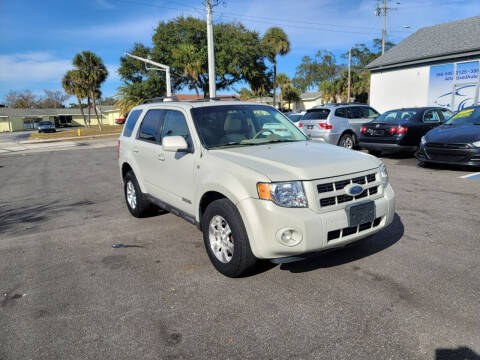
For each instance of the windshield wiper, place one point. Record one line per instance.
(277, 141)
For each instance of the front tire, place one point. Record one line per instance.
(137, 203)
(226, 239)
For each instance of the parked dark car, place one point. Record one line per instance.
(457, 141)
(46, 126)
(401, 130)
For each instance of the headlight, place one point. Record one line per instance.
(476, 144)
(287, 194)
(423, 141)
(383, 175)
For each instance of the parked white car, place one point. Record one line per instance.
(250, 180)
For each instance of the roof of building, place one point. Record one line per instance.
(21, 112)
(450, 40)
(311, 95)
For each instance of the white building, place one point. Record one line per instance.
(419, 70)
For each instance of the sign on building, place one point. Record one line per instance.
(456, 92)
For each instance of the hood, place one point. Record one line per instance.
(301, 160)
(450, 134)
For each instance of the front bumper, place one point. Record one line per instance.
(387, 147)
(468, 157)
(264, 221)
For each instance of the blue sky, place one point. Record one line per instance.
(39, 38)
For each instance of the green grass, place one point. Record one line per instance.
(84, 132)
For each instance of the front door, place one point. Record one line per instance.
(176, 177)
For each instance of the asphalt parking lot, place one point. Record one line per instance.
(410, 292)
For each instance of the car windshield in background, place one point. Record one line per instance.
(465, 117)
(243, 125)
(45, 123)
(316, 114)
(396, 116)
(295, 117)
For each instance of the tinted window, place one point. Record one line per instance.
(45, 123)
(356, 112)
(175, 125)
(151, 125)
(342, 112)
(447, 114)
(431, 116)
(396, 116)
(368, 112)
(295, 117)
(466, 117)
(131, 121)
(316, 114)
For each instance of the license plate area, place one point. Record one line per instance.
(360, 213)
(309, 127)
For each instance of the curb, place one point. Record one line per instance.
(86, 137)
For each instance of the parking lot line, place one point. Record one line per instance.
(471, 176)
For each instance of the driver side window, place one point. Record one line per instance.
(175, 124)
(431, 116)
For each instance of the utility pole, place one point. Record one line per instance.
(349, 65)
(211, 55)
(384, 30)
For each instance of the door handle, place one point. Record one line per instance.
(161, 157)
(135, 150)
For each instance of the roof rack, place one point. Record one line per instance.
(160, 99)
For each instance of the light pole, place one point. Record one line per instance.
(158, 66)
(211, 55)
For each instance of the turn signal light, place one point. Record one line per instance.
(264, 191)
(325, 126)
(363, 129)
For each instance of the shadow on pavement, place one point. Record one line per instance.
(358, 250)
(460, 353)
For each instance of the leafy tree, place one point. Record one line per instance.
(276, 43)
(292, 95)
(245, 94)
(126, 100)
(92, 73)
(73, 85)
(182, 44)
(311, 72)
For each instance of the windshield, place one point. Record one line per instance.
(316, 114)
(45, 123)
(396, 116)
(295, 117)
(243, 125)
(465, 117)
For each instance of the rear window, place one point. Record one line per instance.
(396, 116)
(131, 121)
(316, 114)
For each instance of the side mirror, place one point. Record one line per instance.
(174, 143)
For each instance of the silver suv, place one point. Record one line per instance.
(250, 180)
(337, 124)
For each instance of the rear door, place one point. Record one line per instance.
(355, 118)
(431, 118)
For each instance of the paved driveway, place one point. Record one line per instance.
(410, 292)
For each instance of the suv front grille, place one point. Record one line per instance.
(332, 193)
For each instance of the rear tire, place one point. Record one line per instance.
(347, 141)
(375, 153)
(137, 203)
(226, 240)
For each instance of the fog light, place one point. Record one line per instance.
(289, 237)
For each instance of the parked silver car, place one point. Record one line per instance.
(337, 124)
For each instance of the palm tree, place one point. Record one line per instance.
(284, 83)
(72, 85)
(189, 59)
(276, 43)
(126, 100)
(93, 74)
(292, 95)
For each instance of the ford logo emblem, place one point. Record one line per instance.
(354, 189)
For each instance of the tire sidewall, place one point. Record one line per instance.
(342, 139)
(131, 177)
(241, 245)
